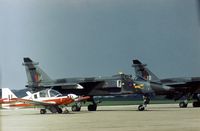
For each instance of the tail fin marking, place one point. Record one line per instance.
(143, 72)
(35, 75)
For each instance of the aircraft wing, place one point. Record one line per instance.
(32, 102)
(81, 88)
(189, 86)
(66, 85)
(79, 85)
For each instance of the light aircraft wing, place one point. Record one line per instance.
(32, 102)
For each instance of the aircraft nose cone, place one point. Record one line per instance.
(73, 96)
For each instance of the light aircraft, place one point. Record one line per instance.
(119, 84)
(48, 98)
(147, 83)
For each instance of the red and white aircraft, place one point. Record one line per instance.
(49, 99)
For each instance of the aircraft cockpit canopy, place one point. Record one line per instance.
(49, 93)
(54, 93)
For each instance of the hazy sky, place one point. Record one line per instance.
(72, 38)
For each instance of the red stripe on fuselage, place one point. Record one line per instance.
(60, 101)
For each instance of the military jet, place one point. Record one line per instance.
(48, 98)
(93, 86)
(147, 83)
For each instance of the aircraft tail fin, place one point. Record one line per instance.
(35, 75)
(7, 94)
(143, 72)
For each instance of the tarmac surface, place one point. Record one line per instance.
(157, 117)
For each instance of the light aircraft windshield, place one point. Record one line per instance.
(54, 93)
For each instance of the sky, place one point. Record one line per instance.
(85, 38)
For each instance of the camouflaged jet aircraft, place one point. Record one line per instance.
(173, 88)
(94, 86)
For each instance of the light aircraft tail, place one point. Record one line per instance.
(141, 71)
(35, 75)
(7, 96)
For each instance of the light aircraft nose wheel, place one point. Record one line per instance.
(182, 105)
(43, 111)
(141, 108)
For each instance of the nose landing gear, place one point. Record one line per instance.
(146, 101)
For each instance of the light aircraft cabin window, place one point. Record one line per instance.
(43, 93)
(35, 96)
(54, 93)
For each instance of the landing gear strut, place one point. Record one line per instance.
(93, 106)
(184, 104)
(146, 101)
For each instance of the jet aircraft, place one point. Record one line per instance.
(185, 88)
(48, 98)
(94, 86)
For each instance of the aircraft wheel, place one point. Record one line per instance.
(43, 111)
(75, 108)
(141, 108)
(196, 104)
(59, 110)
(66, 111)
(183, 105)
(92, 107)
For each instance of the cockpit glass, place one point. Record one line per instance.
(54, 93)
(43, 93)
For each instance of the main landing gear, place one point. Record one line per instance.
(91, 107)
(54, 109)
(196, 104)
(183, 104)
(146, 101)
